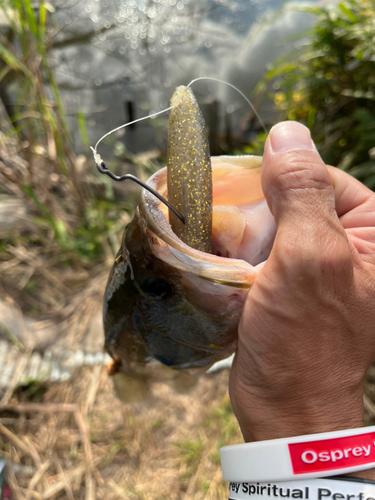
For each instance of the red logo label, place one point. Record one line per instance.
(331, 454)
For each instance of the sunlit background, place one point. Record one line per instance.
(115, 61)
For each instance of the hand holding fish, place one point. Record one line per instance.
(306, 335)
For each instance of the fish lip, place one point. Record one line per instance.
(220, 270)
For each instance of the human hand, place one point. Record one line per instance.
(307, 332)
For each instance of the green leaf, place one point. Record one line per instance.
(49, 7)
(60, 231)
(57, 225)
(10, 59)
(348, 13)
(42, 23)
(331, 87)
(30, 17)
(306, 8)
(279, 70)
(83, 130)
(4, 72)
(311, 117)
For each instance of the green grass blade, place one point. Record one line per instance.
(284, 68)
(311, 118)
(83, 130)
(12, 61)
(32, 24)
(4, 72)
(349, 14)
(306, 8)
(57, 225)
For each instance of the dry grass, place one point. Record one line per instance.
(80, 442)
(55, 257)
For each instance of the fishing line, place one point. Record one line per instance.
(103, 168)
(238, 90)
(126, 125)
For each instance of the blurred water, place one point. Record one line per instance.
(109, 53)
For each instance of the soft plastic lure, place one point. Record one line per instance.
(189, 171)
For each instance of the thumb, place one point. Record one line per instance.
(298, 189)
(295, 181)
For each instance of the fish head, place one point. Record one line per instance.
(168, 302)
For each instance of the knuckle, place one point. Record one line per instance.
(316, 257)
(297, 174)
(336, 262)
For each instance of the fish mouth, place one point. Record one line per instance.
(236, 182)
(181, 306)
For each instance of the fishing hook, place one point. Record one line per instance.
(103, 169)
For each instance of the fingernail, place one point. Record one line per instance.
(286, 136)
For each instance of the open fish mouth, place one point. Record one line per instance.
(178, 305)
(243, 227)
(175, 294)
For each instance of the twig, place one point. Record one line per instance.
(25, 278)
(116, 488)
(93, 388)
(213, 483)
(40, 407)
(32, 259)
(68, 487)
(12, 338)
(369, 405)
(9, 263)
(19, 444)
(70, 475)
(15, 379)
(82, 426)
(37, 477)
(90, 485)
(33, 451)
(35, 495)
(8, 421)
(58, 486)
(14, 485)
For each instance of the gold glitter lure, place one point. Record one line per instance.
(189, 172)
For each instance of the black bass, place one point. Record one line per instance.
(167, 298)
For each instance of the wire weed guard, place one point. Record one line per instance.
(103, 169)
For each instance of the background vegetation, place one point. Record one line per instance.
(74, 215)
(331, 88)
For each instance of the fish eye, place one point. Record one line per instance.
(156, 288)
